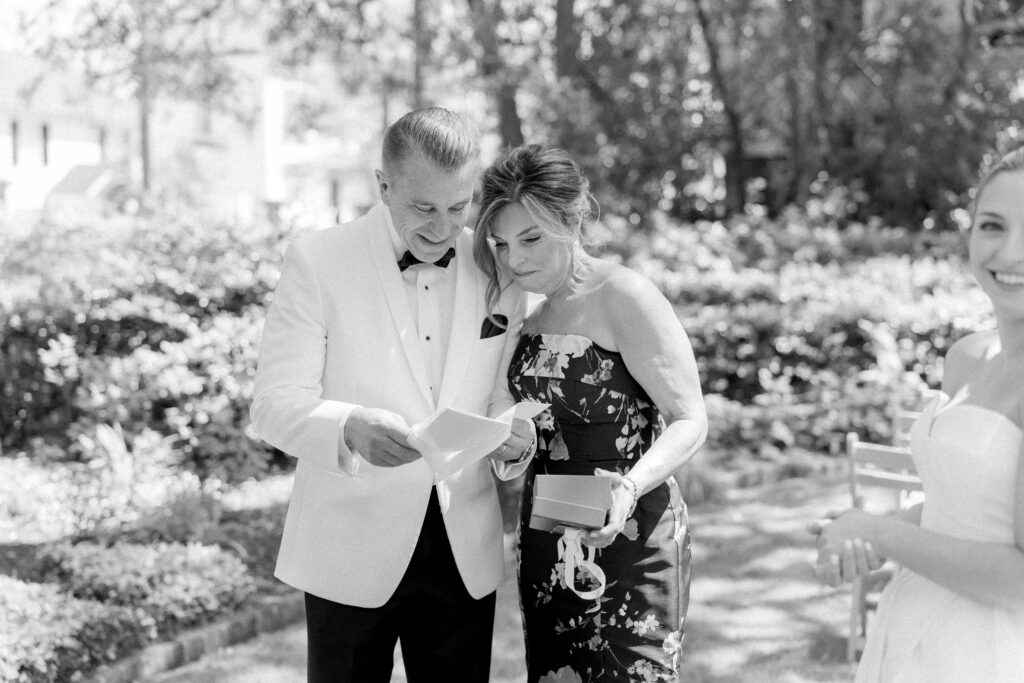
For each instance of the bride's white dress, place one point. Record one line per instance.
(967, 458)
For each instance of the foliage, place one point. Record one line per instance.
(175, 48)
(146, 592)
(168, 586)
(661, 100)
(806, 325)
(806, 331)
(47, 635)
(252, 534)
(255, 535)
(633, 109)
(151, 324)
(112, 494)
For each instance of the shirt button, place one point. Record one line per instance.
(428, 337)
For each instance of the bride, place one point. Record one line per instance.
(955, 612)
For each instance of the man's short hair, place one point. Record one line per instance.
(448, 139)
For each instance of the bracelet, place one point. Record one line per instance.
(530, 450)
(634, 492)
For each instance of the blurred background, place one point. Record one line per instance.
(793, 174)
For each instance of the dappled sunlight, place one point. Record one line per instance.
(755, 603)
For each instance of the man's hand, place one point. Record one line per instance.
(521, 438)
(380, 436)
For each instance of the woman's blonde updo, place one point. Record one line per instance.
(552, 189)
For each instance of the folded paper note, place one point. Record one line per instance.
(570, 500)
(450, 439)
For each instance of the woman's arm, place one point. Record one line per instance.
(990, 573)
(658, 354)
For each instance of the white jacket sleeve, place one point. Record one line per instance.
(287, 409)
(501, 399)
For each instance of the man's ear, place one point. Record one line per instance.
(382, 186)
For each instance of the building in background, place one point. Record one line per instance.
(67, 148)
(58, 138)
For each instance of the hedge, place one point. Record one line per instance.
(47, 635)
(147, 323)
(802, 327)
(168, 587)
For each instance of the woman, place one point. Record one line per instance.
(607, 351)
(955, 612)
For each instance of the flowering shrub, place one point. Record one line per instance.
(803, 326)
(150, 324)
(167, 586)
(803, 332)
(47, 635)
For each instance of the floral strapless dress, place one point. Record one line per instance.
(967, 457)
(600, 417)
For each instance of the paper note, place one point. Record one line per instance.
(451, 439)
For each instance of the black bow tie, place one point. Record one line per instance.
(409, 260)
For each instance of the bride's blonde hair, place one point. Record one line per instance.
(1007, 160)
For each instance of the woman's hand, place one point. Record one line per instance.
(845, 547)
(622, 504)
(519, 442)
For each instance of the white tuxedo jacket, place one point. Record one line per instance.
(339, 334)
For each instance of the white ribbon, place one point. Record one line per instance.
(570, 551)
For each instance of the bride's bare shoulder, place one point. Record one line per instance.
(975, 347)
(966, 356)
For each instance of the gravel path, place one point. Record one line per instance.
(757, 613)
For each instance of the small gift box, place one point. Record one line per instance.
(570, 500)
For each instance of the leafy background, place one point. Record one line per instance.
(792, 174)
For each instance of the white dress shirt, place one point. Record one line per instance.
(430, 292)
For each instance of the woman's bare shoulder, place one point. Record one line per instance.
(618, 284)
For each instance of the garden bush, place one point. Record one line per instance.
(803, 326)
(48, 636)
(803, 332)
(147, 323)
(167, 586)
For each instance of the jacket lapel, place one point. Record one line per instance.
(394, 295)
(468, 293)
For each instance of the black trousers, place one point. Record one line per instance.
(445, 633)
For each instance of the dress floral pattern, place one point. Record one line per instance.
(600, 417)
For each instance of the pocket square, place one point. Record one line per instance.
(491, 329)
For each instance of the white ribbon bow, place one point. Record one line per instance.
(570, 551)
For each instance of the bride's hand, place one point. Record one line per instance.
(845, 549)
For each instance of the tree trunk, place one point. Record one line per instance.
(964, 36)
(486, 16)
(819, 73)
(567, 39)
(421, 45)
(798, 175)
(735, 177)
(144, 92)
(144, 106)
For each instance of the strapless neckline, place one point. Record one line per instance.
(943, 402)
(546, 335)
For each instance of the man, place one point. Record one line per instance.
(374, 325)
